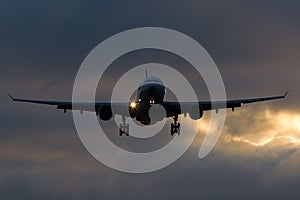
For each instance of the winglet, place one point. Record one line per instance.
(12, 98)
(286, 93)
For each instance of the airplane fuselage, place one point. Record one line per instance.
(150, 92)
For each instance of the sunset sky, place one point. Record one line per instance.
(255, 45)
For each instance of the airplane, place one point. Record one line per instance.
(150, 94)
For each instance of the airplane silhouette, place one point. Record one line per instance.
(150, 96)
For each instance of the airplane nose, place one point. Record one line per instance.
(154, 91)
(144, 106)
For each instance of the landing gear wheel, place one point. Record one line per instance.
(124, 128)
(175, 127)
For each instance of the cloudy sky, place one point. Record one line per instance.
(255, 45)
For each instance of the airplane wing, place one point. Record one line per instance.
(173, 108)
(119, 108)
(209, 105)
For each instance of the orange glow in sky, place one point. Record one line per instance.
(282, 127)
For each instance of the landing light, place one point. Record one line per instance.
(132, 104)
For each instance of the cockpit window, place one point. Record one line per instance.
(152, 79)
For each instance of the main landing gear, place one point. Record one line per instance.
(175, 127)
(124, 128)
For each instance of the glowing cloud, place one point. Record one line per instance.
(259, 127)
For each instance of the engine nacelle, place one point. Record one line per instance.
(105, 113)
(195, 112)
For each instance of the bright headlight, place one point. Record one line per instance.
(132, 104)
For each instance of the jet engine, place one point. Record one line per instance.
(105, 113)
(195, 112)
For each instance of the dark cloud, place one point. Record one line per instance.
(255, 45)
